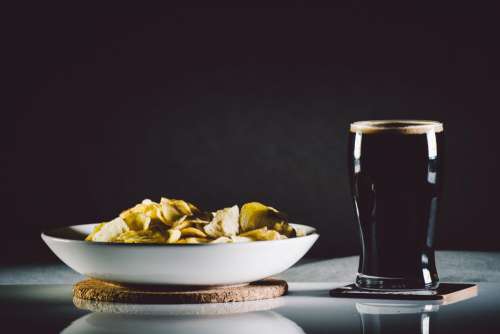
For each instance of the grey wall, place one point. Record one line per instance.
(110, 105)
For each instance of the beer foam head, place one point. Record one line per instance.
(399, 126)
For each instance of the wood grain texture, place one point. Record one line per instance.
(92, 289)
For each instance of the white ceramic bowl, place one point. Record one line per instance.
(186, 264)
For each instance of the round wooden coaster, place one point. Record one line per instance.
(92, 289)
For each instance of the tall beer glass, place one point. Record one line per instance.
(396, 180)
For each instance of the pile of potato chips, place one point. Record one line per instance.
(175, 221)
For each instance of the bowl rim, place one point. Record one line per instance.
(46, 235)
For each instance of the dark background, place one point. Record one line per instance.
(108, 104)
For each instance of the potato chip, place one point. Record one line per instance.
(285, 229)
(270, 235)
(96, 229)
(224, 224)
(221, 240)
(140, 237)
(173, 209)
(181, 223)
(138, 217)
(151, 209)
(255, 215)
(253, 233)
(199, 221)
(193, 241)
(177, 221)
(192, 232)
(158, 227)
(262, 234)
(109, 231)
(237, 238)
(173, 236)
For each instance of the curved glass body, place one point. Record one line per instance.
(396, 180)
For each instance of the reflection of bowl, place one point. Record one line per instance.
(193, 264)
(253, 322)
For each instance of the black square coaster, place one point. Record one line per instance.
(446, 292)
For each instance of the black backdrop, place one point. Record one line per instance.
(110, 104)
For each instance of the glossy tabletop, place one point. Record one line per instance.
(38, 299)
(306, 309)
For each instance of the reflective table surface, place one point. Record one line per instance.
(306, 309)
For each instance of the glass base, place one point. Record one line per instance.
(394, 284)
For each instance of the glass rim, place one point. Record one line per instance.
(400, 126)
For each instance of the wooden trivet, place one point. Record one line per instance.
(447, 292)
(92, 289)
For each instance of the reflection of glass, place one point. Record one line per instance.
(245, 317)
(397, 318)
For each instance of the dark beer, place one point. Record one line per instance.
(396, 180)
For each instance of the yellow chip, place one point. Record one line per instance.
(221, 240)
(254, 233)
(237, 238)
(193, 241)
(181, 224)
(262, 234)
(173, 209)
(285, 228)
(138, 217)
(148, 221)
(271, 235)
(192, 232)
(173, 236)
(199, 221)
(140, 237)
(96, 229)
(255, 215)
